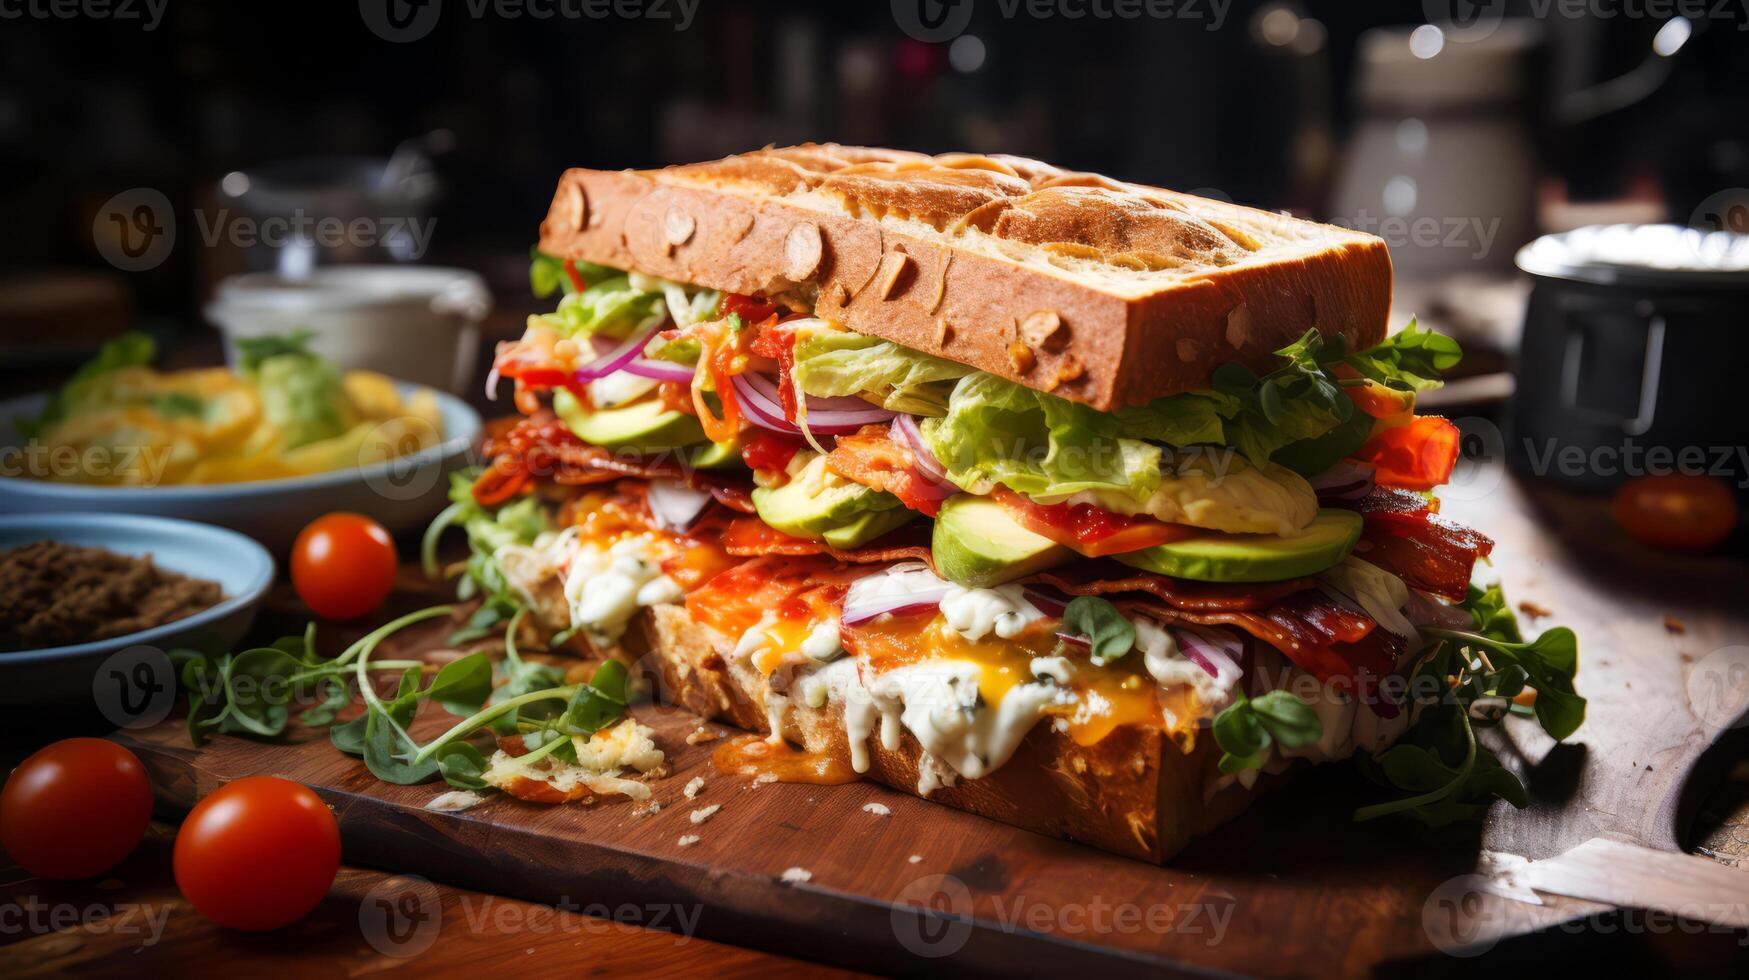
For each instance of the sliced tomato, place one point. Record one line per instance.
(749, 309)
(1092, 531)
(500, 481)
(1416, 456)
(765, 450)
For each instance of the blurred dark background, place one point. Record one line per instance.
(1252, 101)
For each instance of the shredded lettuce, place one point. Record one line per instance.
(612, 307)
(1035, 443)
(834, 363)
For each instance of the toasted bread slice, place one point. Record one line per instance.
(1134, 792)
(1104, 292)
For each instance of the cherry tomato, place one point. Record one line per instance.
(75, 808)
(343, 565)
(1686, 512)
(258, 853)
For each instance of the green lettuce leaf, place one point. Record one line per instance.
(836, 363)
(1410, 359)
(611, 306)
(996, 431)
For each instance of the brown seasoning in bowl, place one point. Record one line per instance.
(54, 594)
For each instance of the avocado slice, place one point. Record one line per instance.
(816, 501)
(1220, 557)
(977, 544)
(712, 455)
(867, 526)
(645, 427)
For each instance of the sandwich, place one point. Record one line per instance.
(1079, 504)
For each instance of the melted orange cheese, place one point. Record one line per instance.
(1107, 697)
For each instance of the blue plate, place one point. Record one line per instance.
(402, 494)
(71, 674)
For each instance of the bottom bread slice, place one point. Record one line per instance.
(1134, 792)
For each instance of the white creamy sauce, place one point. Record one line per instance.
(938, 703)
(605, 588)
(1170, 668)
(972, 613)
(976, 613)
(822, 643)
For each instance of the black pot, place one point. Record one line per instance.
(1633, 354)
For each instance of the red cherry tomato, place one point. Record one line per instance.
(343, 565)
(258, 853)
(75, 808)
(1685, 512)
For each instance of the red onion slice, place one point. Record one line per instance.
(1214, 651)
(831, 421)
(620, 356)
(906, 430)
(1347, 480)
(676, 506)
(645, 367)
(919, 589)
(1048, 601)
(761, 410)
(492, 379)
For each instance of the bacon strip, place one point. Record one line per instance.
(1103, 577)
(749, 537)
(1320, 635)
(542, 447)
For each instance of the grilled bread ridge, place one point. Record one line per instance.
(1104, 292)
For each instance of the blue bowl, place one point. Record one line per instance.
(401, 494)
(82, 672)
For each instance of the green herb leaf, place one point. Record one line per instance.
(462, 685)
(1241, 736)
(462, 765)
(1411, 359)
(388, 752)
(599, 703)
(1110, 635)
(1287, 719)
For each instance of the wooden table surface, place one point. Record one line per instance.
(133, 920)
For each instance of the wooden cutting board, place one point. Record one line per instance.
(1290, 887)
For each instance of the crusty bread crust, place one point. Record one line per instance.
(1104, 292)
(1133, 793)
